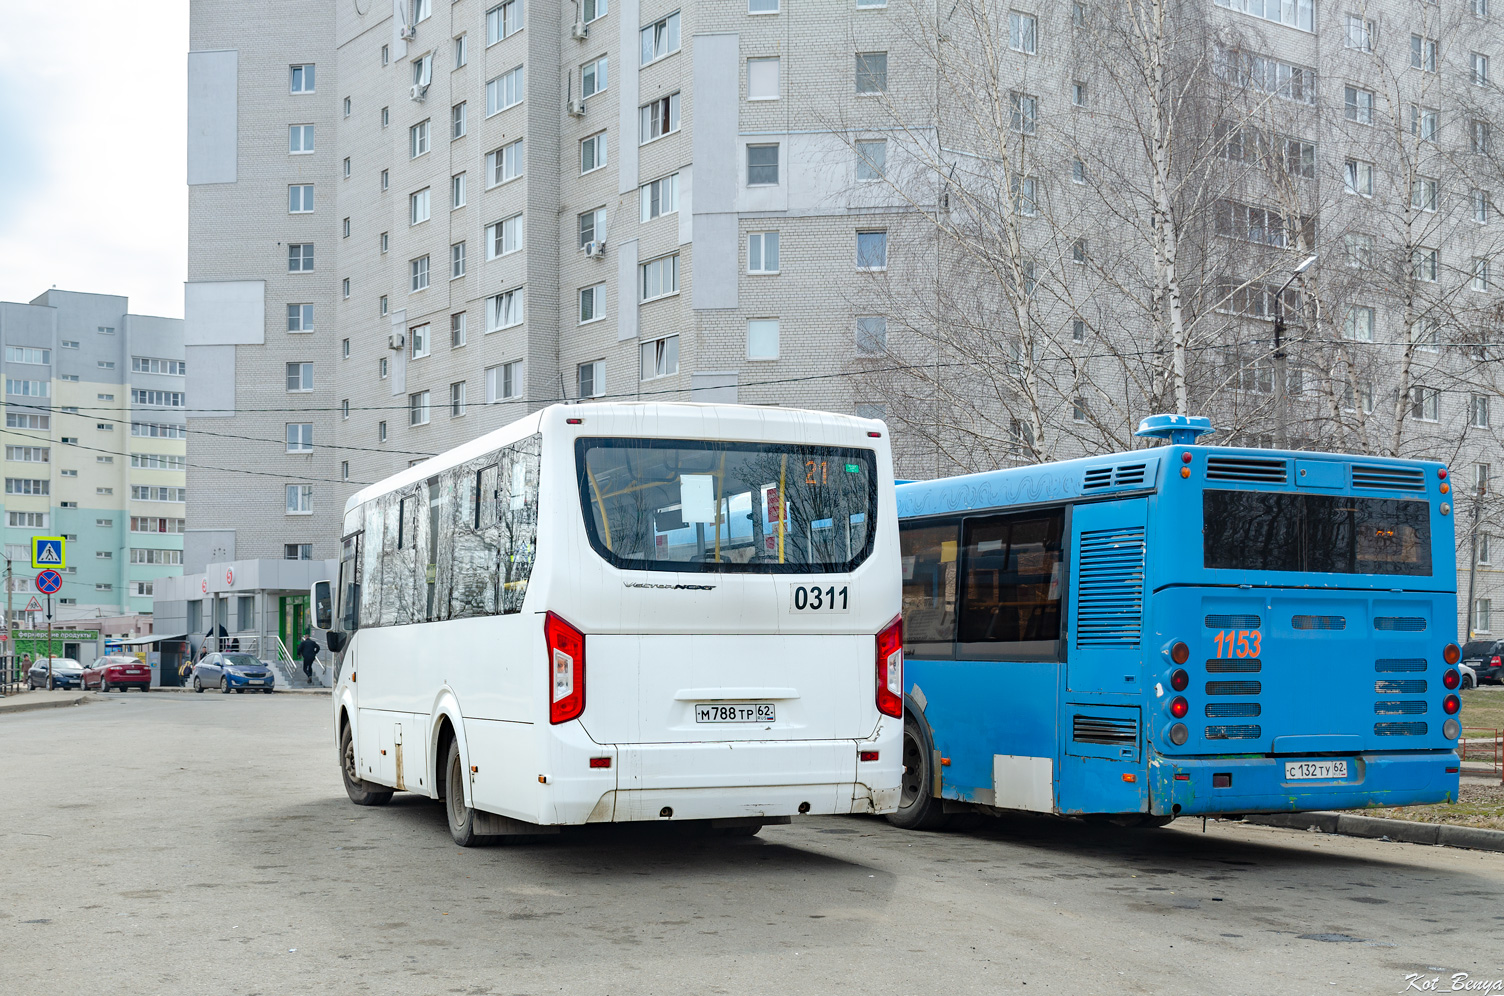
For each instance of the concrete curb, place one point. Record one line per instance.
(1352, 825)
(279, 690)
(10, 705)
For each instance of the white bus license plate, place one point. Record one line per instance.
(1299, 770)
(813, 598)
(745, 712)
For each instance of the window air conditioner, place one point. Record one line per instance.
(577, 108)
(596, 249)
(580, 31)
(408, 32)
(395, 341)
(418, 92)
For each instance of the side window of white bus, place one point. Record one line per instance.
(373, 575)
(518, 521)
(349, 583)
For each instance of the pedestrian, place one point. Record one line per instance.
(309, 651)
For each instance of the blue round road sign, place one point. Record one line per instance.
(49, 581)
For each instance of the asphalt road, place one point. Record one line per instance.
(203, 844)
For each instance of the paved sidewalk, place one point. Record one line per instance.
(25, 701)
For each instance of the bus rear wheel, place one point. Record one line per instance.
(360, 792)
(918, 809)
(461, 816)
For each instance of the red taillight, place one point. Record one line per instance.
(1179, 707)
(1180, 653)
(600, 762)
(1451, 704)
(566, 669)
(867, 755)
(1451, 654)
(1450, 679)
(1495, 660)
(1179, 680)
(890, 669)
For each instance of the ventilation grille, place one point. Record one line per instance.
(1129, 475)
(1389, 478)
(1389, 665)
(1235, 732)
(1110, 730)
(1097, 477)
(1233, 622)
(1401, 686)
(1400, 624)
(1399, 729)
(1318, 622)
(1233, 710)
(1249, 665)
(1233, 687)
(1400, 707)
(1110, 588)
(1253, 469)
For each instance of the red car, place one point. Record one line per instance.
(117, 673)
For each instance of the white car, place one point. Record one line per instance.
(1469, 676)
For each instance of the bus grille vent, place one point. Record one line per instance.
(1233, 687)
(1110, 587)
(1233, 622)
(1097, 477)
(1400, 686)
(1104, 729)
(1231, 665)
(1400, 707)
(1232, 710)
(1249, 732)
(1400, 624)
(1389, 478)
(1254, 469)
(1392, 664)
(1399, 729)
(1129, 475)
(1318, 622)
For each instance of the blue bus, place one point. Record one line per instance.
(1180, 630)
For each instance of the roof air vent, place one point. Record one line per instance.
(1389, 478)
(1255, 470)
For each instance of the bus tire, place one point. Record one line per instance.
(918, 809)
(360, 793)
(461, 817)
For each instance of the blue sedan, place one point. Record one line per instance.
(232, 672)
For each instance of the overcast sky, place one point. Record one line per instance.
(92, 194)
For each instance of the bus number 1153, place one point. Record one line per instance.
(1238, 642)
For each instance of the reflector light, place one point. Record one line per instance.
(1185, 458)
(1453, 771)
(868, 755)
(875, 435)
(1130, 777)
(1179, 707)
(573, 421)
(1179, 734)
(1445, 487)
(600, 762)
(1185, 472)
(1451, 654)
(1451, 729)
(566, 668)
(1450, 679)
(1179, 679)
(1442, 473)
(1451, 704)
(890, 669)
(1179, 652)
(1182, 777)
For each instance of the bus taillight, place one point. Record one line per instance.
(1179, 679)
(1179, 707)
(566, 669)
(890, 669)
(1450, 679)
(1451, 704)
(1451, 654)
(1179, 652)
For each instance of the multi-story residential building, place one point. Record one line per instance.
(94, 450)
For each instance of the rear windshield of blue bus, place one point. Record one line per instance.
(1321, 534)
(712, 506)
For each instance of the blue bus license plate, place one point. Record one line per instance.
(751, 712)
(1299, 770)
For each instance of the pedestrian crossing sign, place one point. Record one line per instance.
(47, 551)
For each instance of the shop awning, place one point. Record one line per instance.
(141, 641)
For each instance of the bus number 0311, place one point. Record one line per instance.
(1238, 642)
(813, 598)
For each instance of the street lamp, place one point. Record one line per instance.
(1281, 433)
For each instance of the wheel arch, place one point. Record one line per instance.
(447, 723)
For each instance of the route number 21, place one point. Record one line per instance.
(1238, 642)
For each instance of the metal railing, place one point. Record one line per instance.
(272, 650)
(1482, 745)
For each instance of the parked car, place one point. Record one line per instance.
(1486, 658)
(66, 673)
(1468, 678)
(117, 673)
(232, 672)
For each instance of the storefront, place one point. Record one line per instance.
(81, 645)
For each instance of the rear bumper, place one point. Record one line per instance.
(1258, 784)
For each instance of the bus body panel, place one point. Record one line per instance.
(1184, 786)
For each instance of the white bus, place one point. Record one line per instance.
(626, 612)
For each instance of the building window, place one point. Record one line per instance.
(1358, 324)
(505, 163)
(1483, 615)
(1425, 122)
(300, 499)
(762, 252)
(762, 79)
(871, 334)
(593, 9)
(1481, 203)
(1357, 177)
(1078, 94)
(381, 431)
(871, 72)
(591, 379)
(419, 338)
(344, 408)
(302, 79)
(1078, 251)
(461, 50)
(1023, 112)
(1479, 65)
(418, 273)
(593, 77)
(660, 39)
(659, 197)
(33, 520)
(1423, 194)
(347, 107)
(1357, 33)
(1479, 411)
(660, 357)
(386, 179)
(505, 310)
(871, 159)
(591, 226)
(592, 303)
(593, 152)
(344, 288)
(1478, 136)
(1425, 404)
(417, 206)
(457, 330)
(346, 167)
(504, 237)
(1358, 250)
(300, 318)
(765, 6)
(503, 21)
(1357, 105)
(1423, 53)
(871, 250)
(300, 376)
(457, 399)
(1484, 555)
(300, 257)
(503, 381)
(504, 91)
(659, 277)
(299, 139)
(1424, 264)
(300, 437)
(456, 261)
(762, 339)
(762, 165)
(417, 408)
(1025, 201)
(418, 141)
(1480, 280)
(345, 228)
(457, 121)
(1078, 330)
(658, 118)
(1022, 32)
(456, 191)
(386, 55)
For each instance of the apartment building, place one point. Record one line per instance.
(94, 450)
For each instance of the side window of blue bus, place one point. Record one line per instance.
(1013, 568)
(931, 555)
